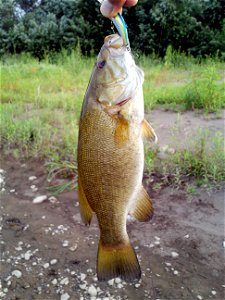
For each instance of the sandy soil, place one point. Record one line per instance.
(176, 129)
(47, 253)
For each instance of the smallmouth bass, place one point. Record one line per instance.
(111, 157)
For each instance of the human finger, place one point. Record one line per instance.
(130, 2)
(110, 8)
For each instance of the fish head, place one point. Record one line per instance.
(116, 76)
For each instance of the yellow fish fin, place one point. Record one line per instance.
(148, 132)
(85, 209)
(117, 261)
(142, 210)
(122, 131)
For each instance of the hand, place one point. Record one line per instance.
(110, 8)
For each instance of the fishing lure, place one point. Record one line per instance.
(121, 27)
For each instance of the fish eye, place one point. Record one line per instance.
(101, 64)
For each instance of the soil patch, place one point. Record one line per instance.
(47, 252)
(178, 129)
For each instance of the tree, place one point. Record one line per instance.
(40, 26)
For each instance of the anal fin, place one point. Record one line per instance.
(85, 209)
(142, 209)
(148, 132)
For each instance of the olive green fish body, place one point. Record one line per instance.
(109, 174)
(111, 157)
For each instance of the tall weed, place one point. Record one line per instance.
(204, 159)
(205, 91)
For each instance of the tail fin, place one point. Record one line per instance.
(119, 261)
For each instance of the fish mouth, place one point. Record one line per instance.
(113, 109)
(123, 102)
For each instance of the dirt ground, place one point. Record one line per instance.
(177, 129)
(47, 253)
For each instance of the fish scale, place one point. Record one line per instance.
(115, 170)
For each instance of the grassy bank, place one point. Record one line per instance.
(41, 101)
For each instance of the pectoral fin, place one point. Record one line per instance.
(85, 209)
(122, 131)
(142, 210)
(148, 132)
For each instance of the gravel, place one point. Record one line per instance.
(34, 188)
(174, 254)
(40, 199)
(46, 265)
(111, 282)
(64, 281)
(73, 248)
(53, 199)
(27, 255)
(82, 276)
(83, 286)
(17, 273)
(117, 280)
(65, 243)
(53, 261)
(92, 291)
(65, 296)
(54, 281)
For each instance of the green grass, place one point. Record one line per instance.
(192, 85)
(45, 85)
(62, 169)
(41, 101)
(203, 160)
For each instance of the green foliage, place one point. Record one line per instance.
(203, 160)
(41, 104)
(39, 134)
(191, 189)
(191, 26)
(205, 91)
(63, 170)
(40, 27)
(169, 57)
(183, 82)
(201, 163)
(150, 156)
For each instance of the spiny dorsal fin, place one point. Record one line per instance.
(85, 209)
(142, 209)
(148, 132)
